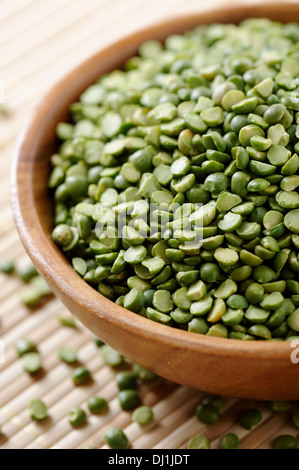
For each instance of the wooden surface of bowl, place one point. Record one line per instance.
(244, 369)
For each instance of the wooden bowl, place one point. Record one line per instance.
(243, 369)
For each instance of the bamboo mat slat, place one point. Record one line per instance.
(40, 42)
(27, 18)
(9, 8)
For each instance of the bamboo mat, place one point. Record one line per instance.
(40, 42)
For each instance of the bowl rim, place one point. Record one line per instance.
(56, 269)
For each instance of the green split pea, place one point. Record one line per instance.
(175, 183)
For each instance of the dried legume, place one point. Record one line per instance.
(285, 441)
(128, 399)
(25, 346)
(230, 441)
(207, 413)
(77, 417)
(68, 322)
(6, 266)
(67, 354)
(32, 362)
(38, 410)
(199, 442)
(126, 380)
(250, 418)
(176, 186)
(110, 356)
(143, 415)
(116, 438)
(97, 405)
(80, 375)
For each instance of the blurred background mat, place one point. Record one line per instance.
(40, 42)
